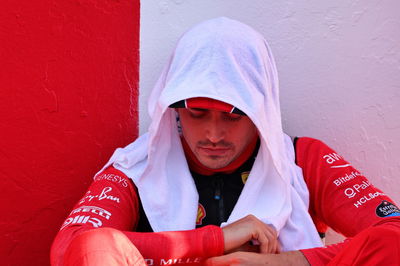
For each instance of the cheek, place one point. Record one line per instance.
(245, 133)
(190, 131)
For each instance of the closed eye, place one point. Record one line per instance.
(231, 116)
(197, 112)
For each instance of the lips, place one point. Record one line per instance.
(214, 151)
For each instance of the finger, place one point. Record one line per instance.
(275, 247)
(267, 241)
(264, 242)
(273, 238)
(274, 242)
(279, 249)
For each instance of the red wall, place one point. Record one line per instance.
(68, 98)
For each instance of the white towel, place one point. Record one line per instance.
(228, 61)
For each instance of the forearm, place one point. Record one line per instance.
(251, 258)
(288, 258)
(111, 201)
(191, 246)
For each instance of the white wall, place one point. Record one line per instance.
(339, 67)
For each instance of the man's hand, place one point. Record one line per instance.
(238, 234)
(254, 259)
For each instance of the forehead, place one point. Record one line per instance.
(197, 120)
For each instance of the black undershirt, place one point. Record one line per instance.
(218, 194)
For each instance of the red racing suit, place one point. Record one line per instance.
(340, 198)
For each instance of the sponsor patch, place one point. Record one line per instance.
(352, 191)
(104, 195)
(82, 219)
(348, 177)
(185, 261)
(387, 209)
(245, 176)
(92, 209)
(85, 216)
(113, 178)
(332, 157)
(366, 198)
(201, 213)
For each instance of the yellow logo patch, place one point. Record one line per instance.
(201, 213)
(245, 175)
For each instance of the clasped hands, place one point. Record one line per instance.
(238, 249)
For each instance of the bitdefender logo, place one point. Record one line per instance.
(387, 209)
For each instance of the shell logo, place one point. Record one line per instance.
(201, 213)
(245, 175)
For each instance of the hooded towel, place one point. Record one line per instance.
(226, 60)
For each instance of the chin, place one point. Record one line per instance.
(214, 164)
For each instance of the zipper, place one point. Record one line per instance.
(218, 185)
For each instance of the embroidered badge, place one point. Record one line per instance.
(387, 209)
(245, 175)
(201, 213)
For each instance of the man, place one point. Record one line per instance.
(216, 181)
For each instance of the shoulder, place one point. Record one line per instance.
(310, 150)
(113, 175)
(305, 144)
(307, 141)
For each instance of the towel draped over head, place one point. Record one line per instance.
(226, 60)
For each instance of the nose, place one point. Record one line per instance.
(215, 131)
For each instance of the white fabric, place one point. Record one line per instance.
(225, 60)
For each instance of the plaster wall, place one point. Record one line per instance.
(339, 67)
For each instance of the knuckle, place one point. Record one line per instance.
(250, 216)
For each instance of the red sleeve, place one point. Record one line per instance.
(112, 201)
(340, 197)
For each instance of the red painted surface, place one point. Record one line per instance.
(68, 98)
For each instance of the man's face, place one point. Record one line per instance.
(216, 138)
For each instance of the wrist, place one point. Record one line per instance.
(295, 258)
